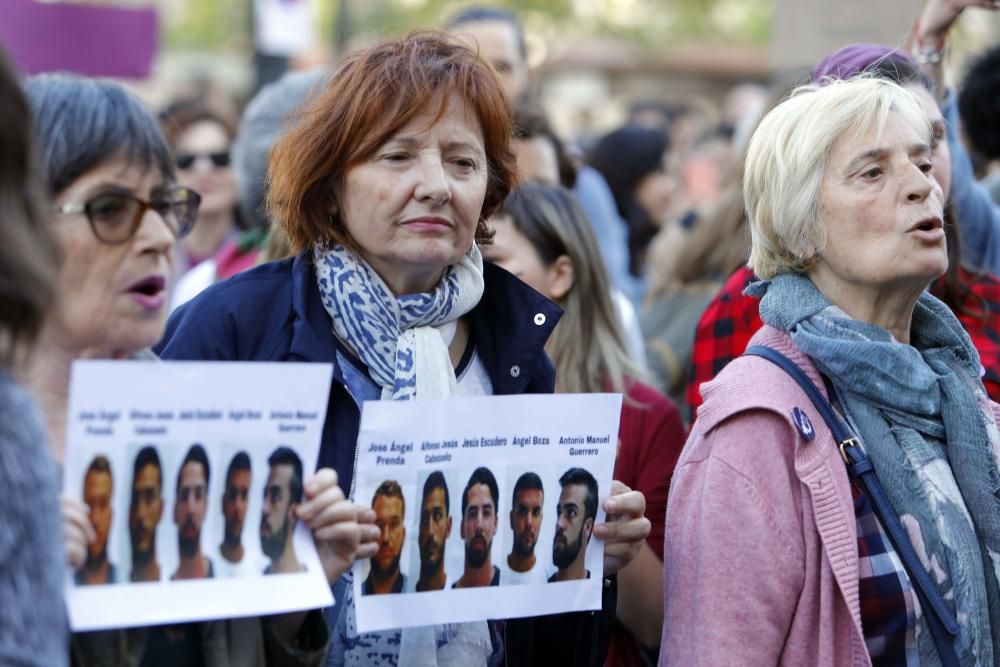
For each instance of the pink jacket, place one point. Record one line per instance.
(761, 555)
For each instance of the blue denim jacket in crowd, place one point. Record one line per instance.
(978, 215)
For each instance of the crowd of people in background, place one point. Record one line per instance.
(795, 295)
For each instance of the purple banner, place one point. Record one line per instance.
(94, 40)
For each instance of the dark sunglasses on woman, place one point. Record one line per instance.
(115, 215)
(219, 159)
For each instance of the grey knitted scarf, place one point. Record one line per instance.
(924, 419)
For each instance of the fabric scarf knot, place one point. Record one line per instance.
(402, 340)
(922, 415)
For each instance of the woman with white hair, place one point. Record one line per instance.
(866, 533)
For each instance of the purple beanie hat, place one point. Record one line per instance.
(853, 59)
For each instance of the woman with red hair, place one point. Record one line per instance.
(384, 187)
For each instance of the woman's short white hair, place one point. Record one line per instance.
(787, 156)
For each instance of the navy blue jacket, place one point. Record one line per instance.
(274, 313)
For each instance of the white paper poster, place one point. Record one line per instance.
(191, 472)
(486, 506)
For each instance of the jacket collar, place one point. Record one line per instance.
(312, 331)
(738, 388)
(782, 342)
(510, 324)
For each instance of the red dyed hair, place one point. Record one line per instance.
(373, 94)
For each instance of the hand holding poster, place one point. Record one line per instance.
(486, 505)
(192, 473)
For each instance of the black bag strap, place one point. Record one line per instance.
(942, 624)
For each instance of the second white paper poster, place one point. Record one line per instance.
(486, 506)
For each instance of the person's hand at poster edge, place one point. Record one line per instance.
(625, 529)
(343, 531)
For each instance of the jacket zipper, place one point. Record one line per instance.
(357, 440)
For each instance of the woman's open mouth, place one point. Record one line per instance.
(929, 229)
(150, 292)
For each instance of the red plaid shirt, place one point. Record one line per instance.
(889, 608)
(723, 332)
(731, 319)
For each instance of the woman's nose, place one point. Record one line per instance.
(433, 182)
(919, 184)
(155, 233)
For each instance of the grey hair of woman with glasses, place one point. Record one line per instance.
(116, 214)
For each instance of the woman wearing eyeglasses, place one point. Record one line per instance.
(117, 213)
(200, 136)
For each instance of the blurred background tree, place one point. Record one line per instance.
(224, 25)
(207, 25)
(647, 22)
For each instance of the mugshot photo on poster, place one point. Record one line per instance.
(576, 512)
(191, 493)
(100, 482)
(281, 498)
(434, 529)
(478, 529)
(384, 573)
(527, 524)
(236, 556)
(145, 512)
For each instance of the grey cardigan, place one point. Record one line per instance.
(32, 613)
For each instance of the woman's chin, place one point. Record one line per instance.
(937, 267)
(925, 267)
(419, 264)
(136, 336)
(923, 275)
(439, 251)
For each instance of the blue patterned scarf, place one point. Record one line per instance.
(402, 340)
(404, 343)
(923, 417)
